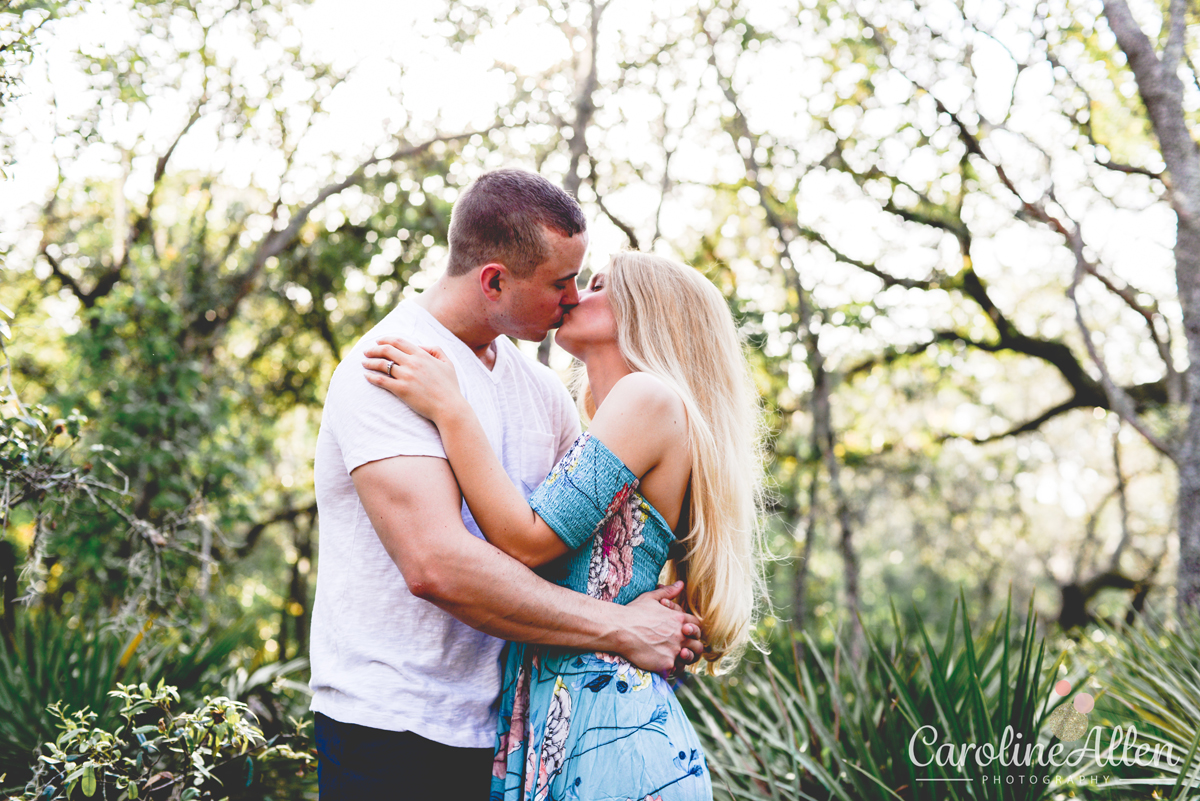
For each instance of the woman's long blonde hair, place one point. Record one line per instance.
(674, 324)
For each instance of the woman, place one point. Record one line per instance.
(667, 474)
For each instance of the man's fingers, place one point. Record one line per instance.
(667, 602)
(690, 653)
(671, 591)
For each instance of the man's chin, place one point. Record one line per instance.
(538, 334)
(533, 335)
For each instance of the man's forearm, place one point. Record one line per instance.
(494, 593)
(413, 503)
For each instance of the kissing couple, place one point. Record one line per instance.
(488, 619)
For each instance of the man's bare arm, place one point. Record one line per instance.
(413, 503)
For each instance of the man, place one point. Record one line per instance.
(410, 597)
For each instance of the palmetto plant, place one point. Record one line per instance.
(807, 725)
(48, 660)
(1153, 672)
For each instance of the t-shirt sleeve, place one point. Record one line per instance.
(372, 423)
(587, 485)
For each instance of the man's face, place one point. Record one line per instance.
(537, 303)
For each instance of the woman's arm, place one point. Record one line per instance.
(638, 421)
(426, 381)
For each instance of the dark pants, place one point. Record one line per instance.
(357, 763)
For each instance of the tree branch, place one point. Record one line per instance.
(887, 278)
(1074, 402)
(585, 106)
(625, 228)
(282, 516)
(1119, 400)
(892, 355)
(1162, 94)
(1174, 382)
(278, 241)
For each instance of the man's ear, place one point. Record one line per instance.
(493, 279)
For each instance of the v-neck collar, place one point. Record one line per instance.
(465, 352)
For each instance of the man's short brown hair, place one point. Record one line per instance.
(500, 218)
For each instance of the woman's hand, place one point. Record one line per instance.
(424, 378)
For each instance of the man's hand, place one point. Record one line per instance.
(660, 634)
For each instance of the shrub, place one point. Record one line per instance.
(155, 752)
(806, 724)
(1153, 672)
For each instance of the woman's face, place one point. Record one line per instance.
(591, 322)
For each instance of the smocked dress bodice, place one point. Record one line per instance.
(591, 725)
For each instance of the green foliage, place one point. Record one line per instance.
(156, 751)
(1154, 673)
(48, 662)
(809, 724)
(54, 658)
(19, 23)
(50, 479)
(193, 315)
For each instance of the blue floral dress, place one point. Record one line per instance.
(576, 726)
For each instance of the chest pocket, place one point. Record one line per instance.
(538, 450)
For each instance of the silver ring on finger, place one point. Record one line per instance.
(390, 365)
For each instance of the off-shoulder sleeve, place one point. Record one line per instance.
(586, 486)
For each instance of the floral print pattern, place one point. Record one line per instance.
(515, 737)
(553, 752)
(611, 565)
(593, 726)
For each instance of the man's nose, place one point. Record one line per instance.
(571, 297)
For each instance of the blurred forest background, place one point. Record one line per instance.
(961, 238)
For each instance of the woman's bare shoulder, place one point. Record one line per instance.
(643, 417)
(647, 393)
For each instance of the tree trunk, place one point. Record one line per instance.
(800, 574)
(585, 107)
(1161, 91)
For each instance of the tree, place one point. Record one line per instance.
(871, 227)
(1162, 93)
(890, 65)
(208, 316)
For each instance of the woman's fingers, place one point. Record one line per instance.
(437, 353)
(388, 352)
(397, 350)
(383, 368)
(402, 345)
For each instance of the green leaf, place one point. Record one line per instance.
(1179, 793)
(89, 781)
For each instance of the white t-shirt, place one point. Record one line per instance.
(381, 657)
